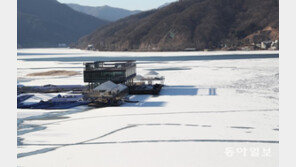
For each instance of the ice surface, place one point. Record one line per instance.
(226, 102)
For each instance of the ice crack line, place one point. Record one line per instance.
(89, 142)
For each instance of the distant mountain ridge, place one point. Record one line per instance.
(47, 23)
(103, 12)
(164, 5)
(198, 24)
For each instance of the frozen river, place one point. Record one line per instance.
(217, 109)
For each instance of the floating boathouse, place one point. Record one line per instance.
(118, 71)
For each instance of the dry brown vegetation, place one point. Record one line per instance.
(54, 73)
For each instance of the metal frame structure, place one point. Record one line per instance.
(117, 71)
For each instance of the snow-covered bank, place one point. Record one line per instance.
(185, 126)
(53, 52)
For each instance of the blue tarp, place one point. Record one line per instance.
(23, 98)
(58, 102)
(52, 105)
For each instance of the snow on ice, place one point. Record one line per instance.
(217, 109)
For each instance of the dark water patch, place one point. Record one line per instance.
(156, 58)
